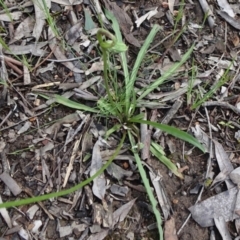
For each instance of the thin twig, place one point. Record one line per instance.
(64, 60)
(45, 59)
(12, 60)
(8, 115)
(235, 79)
(222, 104)
(159, 43)
(145, 134)
(57, 168)
(24, 120)
(28, 191)
(15, 68)
(19, 93)
(207, 11)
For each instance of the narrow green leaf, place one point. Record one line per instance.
(122, 55)
(156, 150)
(67, 191)
(168, 74)
(141, 55)
(69, 103)
(115, 128)
(147, 186)
(225, 77)
(107, 108)
(172, 131)
(115, 25)
(118, 34)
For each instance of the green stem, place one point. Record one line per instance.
(106, 46)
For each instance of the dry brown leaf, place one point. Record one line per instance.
(124, 22)
(5, 215)
(14, 16)
(99, 183)
(35, 49)
(170, 230)
(11, 183)
(59, 54)
(68, 2)
(24, 28)
(40, 16)
(171, 5)
(232, 21)
(120, 214)
(97, 66)
(235, 40)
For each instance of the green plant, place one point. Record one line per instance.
(121, 104)
(17, 152)
(226, 124)
(158, 152)
(225, 77)
(179, 15)
(191, 82)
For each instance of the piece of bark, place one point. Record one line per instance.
(11, 183)
(170, 230)
(170, 114)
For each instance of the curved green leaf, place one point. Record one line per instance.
(173, 131)
(147, 186)
(168, 74)
(141, 54)
(157, 152)
(72, 104)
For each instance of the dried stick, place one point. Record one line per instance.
(222, 104)
(15, 68)
(208, 12)
(12, 60)
(9, 114)
(73, 157)
(24, 120)
(29, 193)
(168, 117)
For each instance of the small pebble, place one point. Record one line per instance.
(184, 193)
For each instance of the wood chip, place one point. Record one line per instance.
(11, 183)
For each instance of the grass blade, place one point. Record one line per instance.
(107, 108)
(118, 35)
(214, 88)
(141, 54)
(147, 186)
(157, 151)
(115, 128)
(69, 103)
(172, 131)
(168, 74)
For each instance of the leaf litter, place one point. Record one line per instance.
(46, 151)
